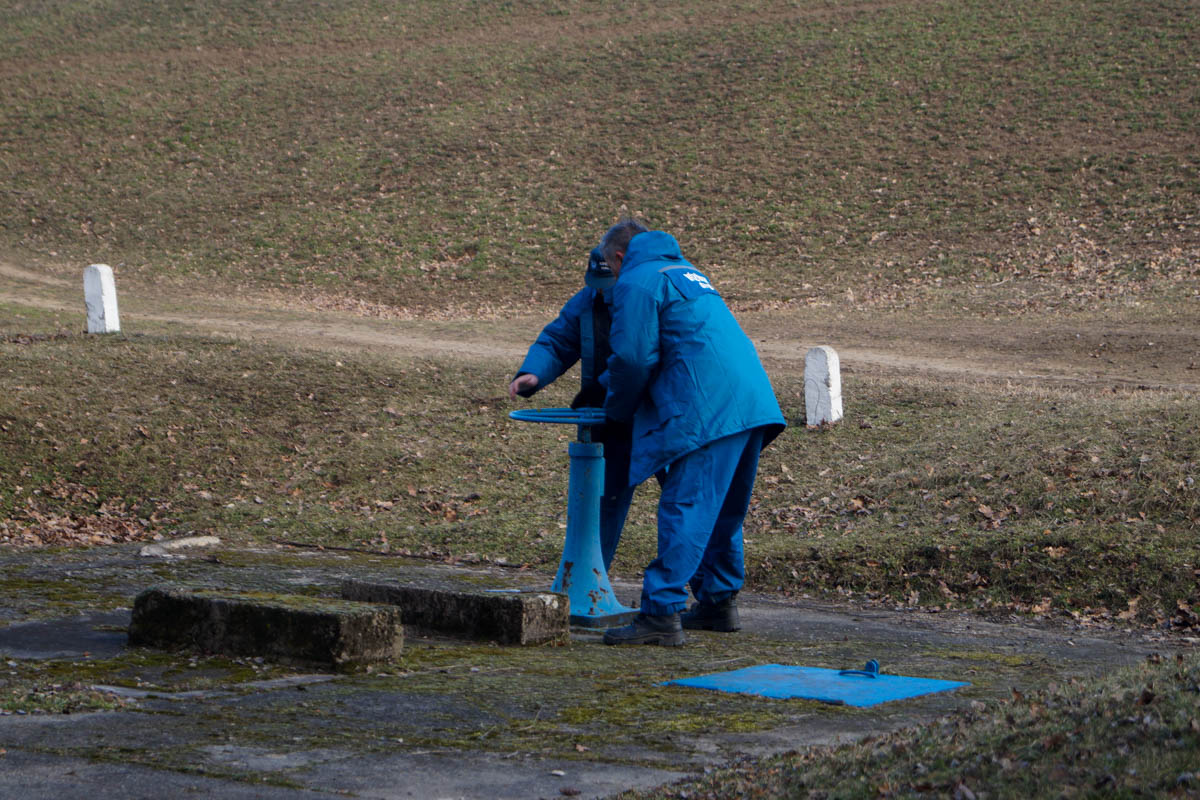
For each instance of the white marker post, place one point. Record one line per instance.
(822, 387)
(100, 296)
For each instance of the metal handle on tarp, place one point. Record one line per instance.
(869, 670)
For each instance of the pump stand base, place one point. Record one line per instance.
(603, 622)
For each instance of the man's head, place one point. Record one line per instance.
(598, 275)
(616, 241)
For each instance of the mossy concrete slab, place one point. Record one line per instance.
(507, 617)
(34, 775)
(289, 628)
(495, 776)
(99, 635)
(452, 717)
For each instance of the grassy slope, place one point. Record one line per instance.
(423, 155)
(1011, 157)
(938, 494)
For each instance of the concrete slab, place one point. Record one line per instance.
(479, 776)
(104, 734)
(42, 775)
(376, 712)
(459, 718)
(268, 760)
(289, 628)
(90, 635)
(521, 617)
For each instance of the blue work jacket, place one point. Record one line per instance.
(578, 332)
(681, 367)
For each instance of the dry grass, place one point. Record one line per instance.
(995, 157)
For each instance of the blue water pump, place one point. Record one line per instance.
(581, 574)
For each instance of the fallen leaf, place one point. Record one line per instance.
(963, 792)
(1131, 611)
(1053, 741)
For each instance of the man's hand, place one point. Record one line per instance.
(523, 383)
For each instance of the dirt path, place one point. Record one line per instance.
(1072, 350)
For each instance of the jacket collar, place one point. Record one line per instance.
(651, 246)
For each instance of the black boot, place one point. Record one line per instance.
(648, 629)
(721, 616)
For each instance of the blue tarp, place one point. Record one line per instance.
(866, 687)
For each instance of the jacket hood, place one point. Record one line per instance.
(651, 246)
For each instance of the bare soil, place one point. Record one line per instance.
(1098, 351)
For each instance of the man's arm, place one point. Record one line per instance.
(634, 342)
(554, 351)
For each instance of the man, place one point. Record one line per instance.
(580, 333)
(703, 408)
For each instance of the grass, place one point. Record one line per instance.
(1131, 734)
(419, 158)
(942, 160)
(990, 497)
(1041, 500)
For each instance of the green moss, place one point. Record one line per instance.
(65, 686)
(1015, 660)
(314, 603)
(42, 598)
(678, 710)
(43, 698)
(297, 558)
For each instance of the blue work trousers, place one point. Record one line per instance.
(618, 494)
(704, 500)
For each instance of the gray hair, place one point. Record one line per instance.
(618, 236)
